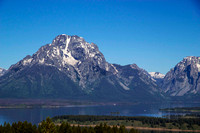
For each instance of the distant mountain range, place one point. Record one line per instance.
(71, 68)
(157, 77)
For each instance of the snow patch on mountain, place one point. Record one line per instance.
(125, 87)
(2, 71)
(41, 61)
(116, 71)
(198, 66)
(157, 75)
(27, 61)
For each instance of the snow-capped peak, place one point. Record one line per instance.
(71, 55)
(65, 50)
(157, 75)
(191, 57)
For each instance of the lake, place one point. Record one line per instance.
(36, 115)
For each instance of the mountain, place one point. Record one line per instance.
(137, 82)
(2, 71)
(184, 78)
(72, 68)
(158, 77)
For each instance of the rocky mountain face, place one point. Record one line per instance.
(137, 81)
(158, 77)
(2, 71)
(80, 60)
(184, 78)
(70, 67)
(132, 74)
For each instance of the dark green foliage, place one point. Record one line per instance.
(19, 127)
(180, 123)
(47, 126)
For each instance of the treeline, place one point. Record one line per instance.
(179, 123)
(181, 108)
(144, 120)
(162, 121)
(47, 126)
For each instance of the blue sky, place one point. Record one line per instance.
(155, 35)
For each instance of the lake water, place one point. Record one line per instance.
(36, 115)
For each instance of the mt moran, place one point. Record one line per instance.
(71, 68)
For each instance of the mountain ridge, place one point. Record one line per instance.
(71, 68)
(72, 59)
